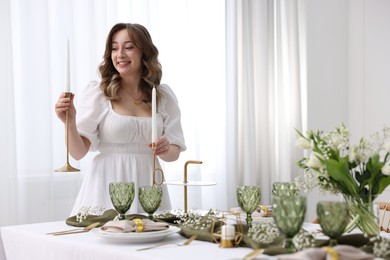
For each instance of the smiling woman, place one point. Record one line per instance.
(107, 121)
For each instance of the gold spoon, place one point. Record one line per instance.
(73, 231)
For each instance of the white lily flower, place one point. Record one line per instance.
(362, 157)
(313, 161)
(303, 143)
(336, 142)
(386, 170)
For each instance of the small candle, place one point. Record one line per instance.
(68, 70)
(154, 130)
(227, 232)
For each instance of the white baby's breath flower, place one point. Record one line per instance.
(303, 240)
(386, 170)
(264, 233)
(303, 143)
(386, 146)
(313, 161)
(381, 247)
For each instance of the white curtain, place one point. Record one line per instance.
(266, 87)
(7, 129)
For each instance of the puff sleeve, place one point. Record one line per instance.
(170, 111)
(92, 106)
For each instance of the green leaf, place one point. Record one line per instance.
(374, 165)
(385, 181)
(300, 133)
(339, 172)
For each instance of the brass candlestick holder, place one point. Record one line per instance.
(226, 240)
(67, 167)
(156, 171)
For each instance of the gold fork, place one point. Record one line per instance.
(74, 231)
(186, 243)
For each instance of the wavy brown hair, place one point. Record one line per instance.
(151, 67)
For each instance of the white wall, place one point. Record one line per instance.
(348, 60)
(369, 65)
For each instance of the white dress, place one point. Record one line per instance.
(123, 148)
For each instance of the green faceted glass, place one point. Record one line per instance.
(150, 198)
(122, 196)
(248, 198)
(289, 214)
(284, 189)
(333, 217)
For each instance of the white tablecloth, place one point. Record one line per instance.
(30, 242)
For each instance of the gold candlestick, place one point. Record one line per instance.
(67, 167)
(156, 171)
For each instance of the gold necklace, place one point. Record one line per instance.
(136, 101)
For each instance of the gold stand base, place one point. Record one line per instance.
(227, 243)
(67, 168)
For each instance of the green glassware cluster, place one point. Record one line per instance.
(333, 217)
(284, 189)
(122, 196)
(289, 214)
(150, 198)
(248, 198)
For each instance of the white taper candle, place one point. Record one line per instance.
(68, 69)
(227, 232)
(154, 129)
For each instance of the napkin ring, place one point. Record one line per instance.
(139, 225)
(333, 254)
(265, 210)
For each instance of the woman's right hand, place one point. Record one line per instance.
(64, 104)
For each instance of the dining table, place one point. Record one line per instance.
(31, 241)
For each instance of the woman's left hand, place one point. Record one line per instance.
(162, 146)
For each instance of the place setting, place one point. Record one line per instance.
(135, 228)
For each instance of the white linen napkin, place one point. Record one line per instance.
(125, 226)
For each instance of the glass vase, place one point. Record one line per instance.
(364, 215)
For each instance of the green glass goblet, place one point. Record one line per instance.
(284, 189)
(289, 214)
(333, 217)
(122, 196)
(150, 198)
(248, 198)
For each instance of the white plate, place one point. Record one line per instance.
(133, 237)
